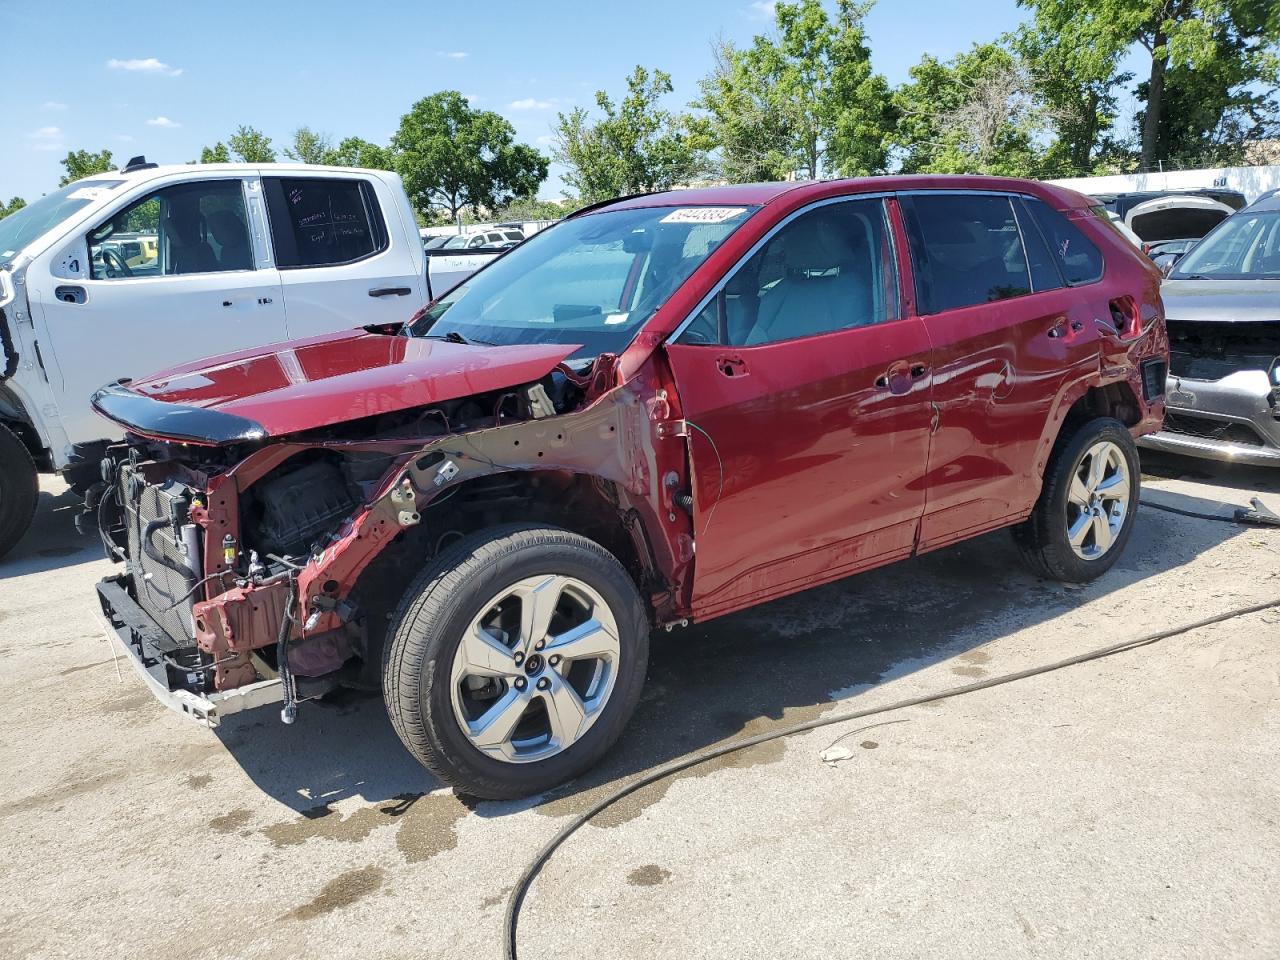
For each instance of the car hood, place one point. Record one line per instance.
(306, 384)
(1226, 300)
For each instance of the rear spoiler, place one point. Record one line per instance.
(172, 421)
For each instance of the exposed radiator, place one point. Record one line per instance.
(162, 583)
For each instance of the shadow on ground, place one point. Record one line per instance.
(53, 541)
(736, 676)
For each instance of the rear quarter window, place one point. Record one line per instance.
(1074, 253)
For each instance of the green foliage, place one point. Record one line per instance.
(251, 146)
(452, 156)
(354, 152)
(82, 163)
(531, 209)
(804, 100)
(215, 154)
(13, 206)
(636, 146)
(309, 146)
(975, 113)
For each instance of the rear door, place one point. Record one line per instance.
(1008, 338)
(344, 259)
(178, 274)
(806, 394)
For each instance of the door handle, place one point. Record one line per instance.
(895, 377)
(918, 370)
(70, 294)
(390, 292)
(1060, 328)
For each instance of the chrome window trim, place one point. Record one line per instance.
(769, 235)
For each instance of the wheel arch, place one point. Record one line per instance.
(14, 416)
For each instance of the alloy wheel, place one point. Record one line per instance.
(1097, 500)
(535, 669)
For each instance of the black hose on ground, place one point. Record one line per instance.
(1255, 516)
(521, 889)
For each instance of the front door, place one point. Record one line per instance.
(807, 400)
(169, 278)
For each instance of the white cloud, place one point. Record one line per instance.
(124, 138)
(761, 10)
(531, 103)
(472, 97)
(147, 65)
(546, 140)
(53, 105)
(453, 54)
(162, 122)
(46, 138)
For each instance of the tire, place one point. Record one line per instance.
(19, 490)
(1045, 537)
(503, 577)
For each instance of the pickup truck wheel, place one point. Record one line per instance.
(515, 660)
(19, 490)
(1085, 513)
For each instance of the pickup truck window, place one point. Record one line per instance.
(591, 280)
(323, 222)
(188, 228)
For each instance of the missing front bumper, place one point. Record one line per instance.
(142, 642)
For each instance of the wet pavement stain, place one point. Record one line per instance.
(74, 786)
(136, 701)
(230, 822)
(488, 903)
(426, 825)
(868, 745)
(84, 666)
(976, 656)
(650, 875)
(342, 891)
(968, 671)
(199, 781)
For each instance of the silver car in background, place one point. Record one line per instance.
(1222, 302)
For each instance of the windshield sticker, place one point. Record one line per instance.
(703, 214)
(612, 318)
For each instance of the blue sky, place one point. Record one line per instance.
(166, 79)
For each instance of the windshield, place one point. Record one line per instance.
(1245, 246)
(591, 280)
(19, 229)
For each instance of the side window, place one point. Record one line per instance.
(1044, 269)
(319, 222)
(1078, 259)
(188, 228)
(829, 269)
(965, 249)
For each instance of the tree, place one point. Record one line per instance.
(1217, 57)
(453, 157)
(976, 113)
(1078, 85)
(309, 146)
(636, 147)
(13, 206)
(251, 146)
(804, 100)
(215, 154)
(354, 152)
(531, 209)
(82, 163)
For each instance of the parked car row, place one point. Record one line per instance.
(127, 272)
(665, 408)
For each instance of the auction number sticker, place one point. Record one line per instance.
(703, 214)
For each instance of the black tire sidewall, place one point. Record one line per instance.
(1071, 567)
(19, 490)
(453, 613)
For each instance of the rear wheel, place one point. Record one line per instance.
(1085, 513)
(515, 660)
(19, 490)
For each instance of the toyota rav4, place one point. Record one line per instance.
(666, 408)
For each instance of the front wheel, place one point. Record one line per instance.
(19, 490)
(515, 660)
(1085, 513)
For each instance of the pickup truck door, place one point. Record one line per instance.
(177, 274)
(345, 257)
(806, 395)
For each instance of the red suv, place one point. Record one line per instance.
(665, 408)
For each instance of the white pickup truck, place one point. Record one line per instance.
(125, 273)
